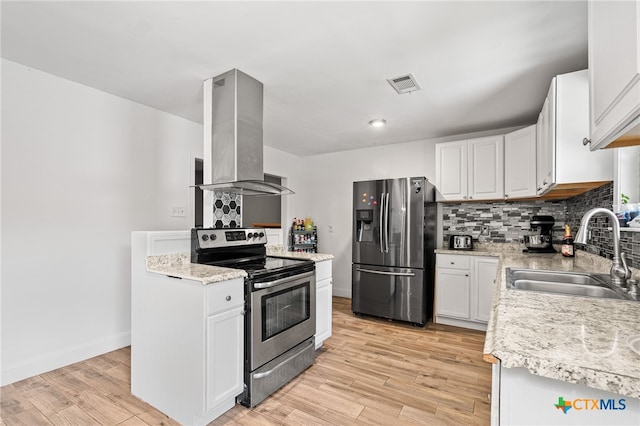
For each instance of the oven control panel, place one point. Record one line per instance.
(225, 237)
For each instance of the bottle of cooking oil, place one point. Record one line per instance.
(567, 249)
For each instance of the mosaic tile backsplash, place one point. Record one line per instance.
(601, 242)
(227, 210)
(509, 222)
(499, 222)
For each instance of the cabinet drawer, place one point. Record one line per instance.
(453, 261)
(225, 295)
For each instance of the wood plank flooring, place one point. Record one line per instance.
(370, 372)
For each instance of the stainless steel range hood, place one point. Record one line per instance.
(233, 136)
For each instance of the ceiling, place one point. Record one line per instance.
(481, 65)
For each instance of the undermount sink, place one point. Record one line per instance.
(571, 283)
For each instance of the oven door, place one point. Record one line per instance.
(283, 314)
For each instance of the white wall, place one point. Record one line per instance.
(291, 168)
(81, 169)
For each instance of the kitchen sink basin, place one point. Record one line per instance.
(571, 283)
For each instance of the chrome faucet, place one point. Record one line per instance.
(620, 272)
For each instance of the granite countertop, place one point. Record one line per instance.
(280, 251)
(179, 265)
(570, 338)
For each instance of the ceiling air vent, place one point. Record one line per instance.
(404, 84)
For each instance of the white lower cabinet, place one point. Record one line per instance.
(521, 398)
(224, 357)
(187, 346)
(324, 292)
(464, 289)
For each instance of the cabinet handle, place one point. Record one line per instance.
(470, 197)
(586, 141)
(464, 197)
(466, 275)
(453, 263)
(228, 298)
(506, 195)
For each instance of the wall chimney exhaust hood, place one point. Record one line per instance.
(233, 151)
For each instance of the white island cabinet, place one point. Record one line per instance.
(187, 337)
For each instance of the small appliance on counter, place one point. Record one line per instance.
(541, 240)
(460, 242)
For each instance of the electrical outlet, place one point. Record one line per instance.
(330, 228)
(177, 211)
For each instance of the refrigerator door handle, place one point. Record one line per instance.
(386, 224)
(400, 274)
(381, 222)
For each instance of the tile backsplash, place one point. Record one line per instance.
(227, 210)
(508, 222)
(601, 242)
(498, 222)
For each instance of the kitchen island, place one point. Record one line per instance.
(188, 327)
(572, 339)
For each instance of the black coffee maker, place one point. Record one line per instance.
(541, 239)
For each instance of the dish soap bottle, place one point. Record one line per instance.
(567, 243)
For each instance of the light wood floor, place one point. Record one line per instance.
(370, 371)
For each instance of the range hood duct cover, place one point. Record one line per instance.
(233, 113)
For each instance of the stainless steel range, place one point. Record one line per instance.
(280, 297)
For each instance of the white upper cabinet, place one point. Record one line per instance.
(452, 169)
(520, 163)
(486, 168)
(545, 140)
(614, 80)
(563, 160)
(471, 169)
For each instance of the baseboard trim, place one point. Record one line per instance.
(341, 292)
(51, 361)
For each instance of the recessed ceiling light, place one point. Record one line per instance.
(378, 122)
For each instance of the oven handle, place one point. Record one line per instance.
(401, 274)
(280, 364)
(283, 280)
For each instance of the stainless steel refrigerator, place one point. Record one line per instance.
(395, 225)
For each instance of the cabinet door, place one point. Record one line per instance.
(452, 293)
(486, 168)
(614, 68)
(274, 236)
(546, 142)
(224, 357)
(323, 311)
(451, 170)
(485, 269)
(520, 163)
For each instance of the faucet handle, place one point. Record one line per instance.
(633, 287)
(627, 271)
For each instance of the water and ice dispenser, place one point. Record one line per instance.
(364, 226)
